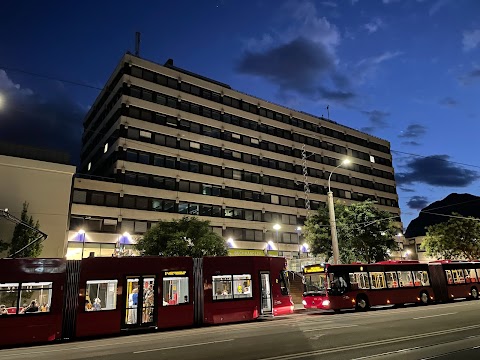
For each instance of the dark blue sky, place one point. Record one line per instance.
(405, 70)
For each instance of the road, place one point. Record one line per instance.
(440, 332)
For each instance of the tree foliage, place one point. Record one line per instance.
(365, 233)
(23, 236)
(458, 238)
(185, 237)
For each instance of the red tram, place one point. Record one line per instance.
(52, 299)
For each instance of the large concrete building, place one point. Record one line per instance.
(43, 179)
(161, 142)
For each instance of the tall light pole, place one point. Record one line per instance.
(277, 227)
(331, 210)
(299, 229)
(81, 233)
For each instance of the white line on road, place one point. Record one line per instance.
(430, 316)
(183, 346)
(330, 328)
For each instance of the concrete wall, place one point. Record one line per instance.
(46, 187)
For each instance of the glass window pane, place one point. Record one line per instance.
(242, 286)
(175, 290)
(222, 287)
(35, 297)
(101, 295)
(9, 298)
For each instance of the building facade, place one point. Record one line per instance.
(161, 142)
(43, 179)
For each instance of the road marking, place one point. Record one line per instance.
(316, 337)
(330, 328)
(183, 346)
(430, 316)
(388, 353)
(367, 345)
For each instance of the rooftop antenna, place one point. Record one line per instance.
(328, 112)
(137, 44)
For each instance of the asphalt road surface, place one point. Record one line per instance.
(440, 332)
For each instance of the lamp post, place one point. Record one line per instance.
(331, 210)
(81, 233)
(299, 229)
(277, 227)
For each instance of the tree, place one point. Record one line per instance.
(459, 237)
(365, 232)
(23, 236)
(185, 237)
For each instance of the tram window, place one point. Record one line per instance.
(377, 280)
(222, 287)
(101, 295)
(242, 286)
(392, 280)
(359, 280)
(283, 283)
(458, 276)
(8, 298)
(35, 297)
(175, 290)
(405, 278)
(470, 275)
(421, 278)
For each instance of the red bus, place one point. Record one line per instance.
(335, 287)
(52, 299)
(31, 299)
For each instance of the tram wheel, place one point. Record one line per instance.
(361, 303)
(424, 299)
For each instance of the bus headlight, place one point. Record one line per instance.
(304, 302)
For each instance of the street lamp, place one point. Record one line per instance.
(299, 229)
(277, 227)
(331, 209)
(81, 234)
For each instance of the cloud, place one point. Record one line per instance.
(404, 189)
(413, 131)
(418, 202)
(329, 4)
(470, 77)
(437, 6)
(367, 67)
(448, 101)
(374, 25)
(29, 119)
(386, 2)
(301, 58)
(377, 118)
(436, 170)
(411, 143)
(471, 39)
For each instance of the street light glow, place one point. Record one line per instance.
(346, 161)
(399, 234)
(81, 231)
(305, 245)
(277, 227)
(126, 234)
(270, 242)
(2, 102)
(299, 228)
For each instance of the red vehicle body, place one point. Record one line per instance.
(263, 277)
(106, 296)
(22, 281)
(336, 287)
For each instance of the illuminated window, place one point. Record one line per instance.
(101, 295)
(175, 290)
(105, 148)
(377, 280)
(89, 166)
(372, 159)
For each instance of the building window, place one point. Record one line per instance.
(101, 295)
(145, 134)
(79, 196)
(372, 159)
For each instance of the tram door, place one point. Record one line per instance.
(140, 302)
(266, 294)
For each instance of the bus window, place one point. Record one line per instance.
(392, 280)
(315, 283)
(377, 280)
(421, 278)
(359, 280)
(338, 285)
(471, 275)
(448, 273)
(458, 276)
(405, 278)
